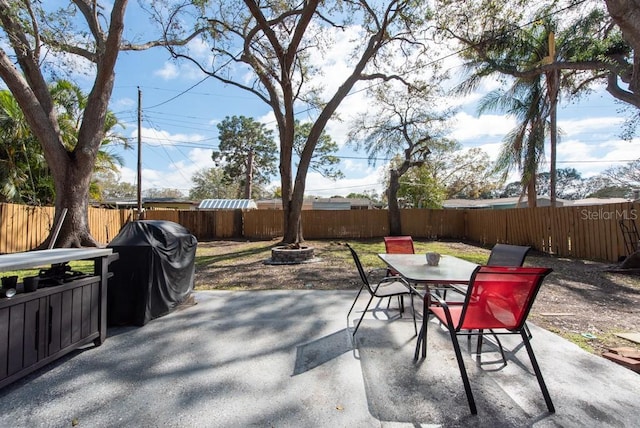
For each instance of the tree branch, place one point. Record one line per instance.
(614, 89)
(127, 46)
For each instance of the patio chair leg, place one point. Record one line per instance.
(479, 344)
(422, 336)
(362, 316)
(420, 341)
(354, 304)
(526, 328)
(536, 369)
(504, 359)
(463, 371)
(413, 313)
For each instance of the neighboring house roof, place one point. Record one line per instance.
(599, 201)
(266, 204)
(327, 204)
(341, 203)
(146, 202)
(276, 204)
(227, 204)
(498, 203)
(543, 201)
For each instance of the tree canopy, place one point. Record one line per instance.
(247, 153)
(41, 39)
(406, 123)
(275, 51)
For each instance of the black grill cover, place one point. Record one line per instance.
(154, 274)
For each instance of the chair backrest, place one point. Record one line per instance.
(399, 244)
(500, 297)
(507, 255)
(361, 271)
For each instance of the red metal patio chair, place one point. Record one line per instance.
(499, 300)
(398, 245)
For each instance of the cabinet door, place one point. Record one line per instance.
(73, 316)
(22, 335)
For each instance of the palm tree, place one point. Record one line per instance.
(532, 99)
(21, 160)
(25, 176)
(523, 146)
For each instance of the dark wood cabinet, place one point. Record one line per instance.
(37, 328)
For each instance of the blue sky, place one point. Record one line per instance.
(180, 110)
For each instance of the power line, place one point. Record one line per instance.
(179, 95)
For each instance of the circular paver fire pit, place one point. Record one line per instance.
(288, 255)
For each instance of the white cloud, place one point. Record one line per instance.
(572, 127)
(620, 150)
(168, 71)
(575, 149)
(467, 127)
(320, 186)
(469, 100)
(159, 137)
(174, 175)
(171, 71)
(492, 149)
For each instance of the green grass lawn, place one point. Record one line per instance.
(369, 250)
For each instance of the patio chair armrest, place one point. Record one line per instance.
(450, 287)
(436, 298)
(390, 279)
(445, 306)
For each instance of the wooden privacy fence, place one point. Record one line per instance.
(24, 227)
(205, 225)
(589, 232)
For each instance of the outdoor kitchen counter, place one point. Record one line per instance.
(39, 327)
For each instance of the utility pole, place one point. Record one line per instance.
(139, 154)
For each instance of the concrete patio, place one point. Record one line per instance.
(284, 359)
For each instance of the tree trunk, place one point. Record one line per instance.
(532, 197)
(626, 14)
(71, 171)
(293, 224)
(395, 224)
(553, 84)
(73, 194)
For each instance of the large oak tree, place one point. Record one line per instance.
(274, 50)
(34, 38)
(404, 123)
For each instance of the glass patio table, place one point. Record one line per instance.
(414, 268)
(449, 272)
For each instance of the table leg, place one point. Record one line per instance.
(425, 319)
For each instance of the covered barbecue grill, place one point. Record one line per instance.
(154, 274)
